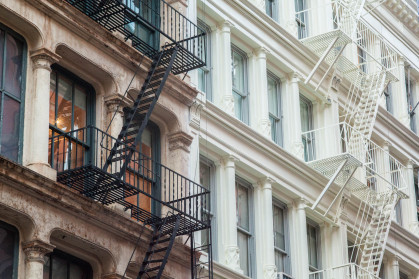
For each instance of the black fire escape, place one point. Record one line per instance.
(111, 170)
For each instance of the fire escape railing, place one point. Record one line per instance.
(150, 25)
(79, 157)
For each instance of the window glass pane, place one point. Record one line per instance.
(201, 80)
(1, 56)
(238, 72)
(59, 268)
(242, 206)
(238, 101)
(279, 235)
(52, 96)
(204, 175)
(7, 243)
(312, 245)
(14, 54)
(10, 129)
(64, 111)
(79, 107)
(273, 128)
(279, 261)
(305, 113)
(47, 267)
(273, 97)
(243, 243)
(77, 272)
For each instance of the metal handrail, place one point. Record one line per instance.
(91, 147)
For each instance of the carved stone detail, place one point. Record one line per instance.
(265, 127)
(269, 272)
(35, 250)
(298, 149)
(180, 140)
(117, 102)
(228, 104)
(232, 257)
(43, 58)
(195, 112)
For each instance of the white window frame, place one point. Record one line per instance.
(301, 17)
(244, 115)
(388, 93)
(309, 141)
(275, 10)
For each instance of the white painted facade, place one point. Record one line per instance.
(279, 174)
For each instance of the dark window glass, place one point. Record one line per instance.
(12, 67)
(60, 265)
(8, 251)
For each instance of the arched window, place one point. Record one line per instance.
(71, 107)
(60, 265)
(12, 88)
(9, 247)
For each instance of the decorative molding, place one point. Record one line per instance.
(230, 160)
(265, 127)
(225, 26)
(195, 113)
(43, 58)
(269, 272)
(180, 140)
(116, 102)
(233, 258)
(228, 104)
(35, 250)
(298, 149)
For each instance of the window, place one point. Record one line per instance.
(403, 276)
(389, 98)
(204, 73)
(416, 185)
(239, 78)
(12, 88)
(306, 114)
(272, 8)
(149, 11)
(275, 111)
(313, 242)
(301, 18)
(9, 247)
(410, 101)
(206, 179)
(362, 59)
(244, 226)
(140, 171)
(281, 244)
(60, 265)
(71, 107)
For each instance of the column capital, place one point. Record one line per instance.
(300, 203)
(295, 77)
(116, 102)
(43, 58)
(225, 26)
(261, 52)
(180, 140)
(410, 163)
(230, 160)
(36, 249)
(266, 182)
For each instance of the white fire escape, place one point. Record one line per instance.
(362, 170)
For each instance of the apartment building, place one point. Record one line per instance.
(209, 139)
(96, 141)
(305, 131)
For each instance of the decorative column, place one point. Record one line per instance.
(298, 239)
(259, 98)
(223, 90)
(400, 95)
(287, 17)
(115, 105)
(269, 268)
(264, 229)
(37, 137)
(228, 218)
(393, 267)
(409, 207)
(292, 125)
(35, 251)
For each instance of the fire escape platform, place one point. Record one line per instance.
(319, 43)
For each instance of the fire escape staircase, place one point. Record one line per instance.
(98, 167)
(351, 165)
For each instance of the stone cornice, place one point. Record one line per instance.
(405, 13)
(43, 58)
